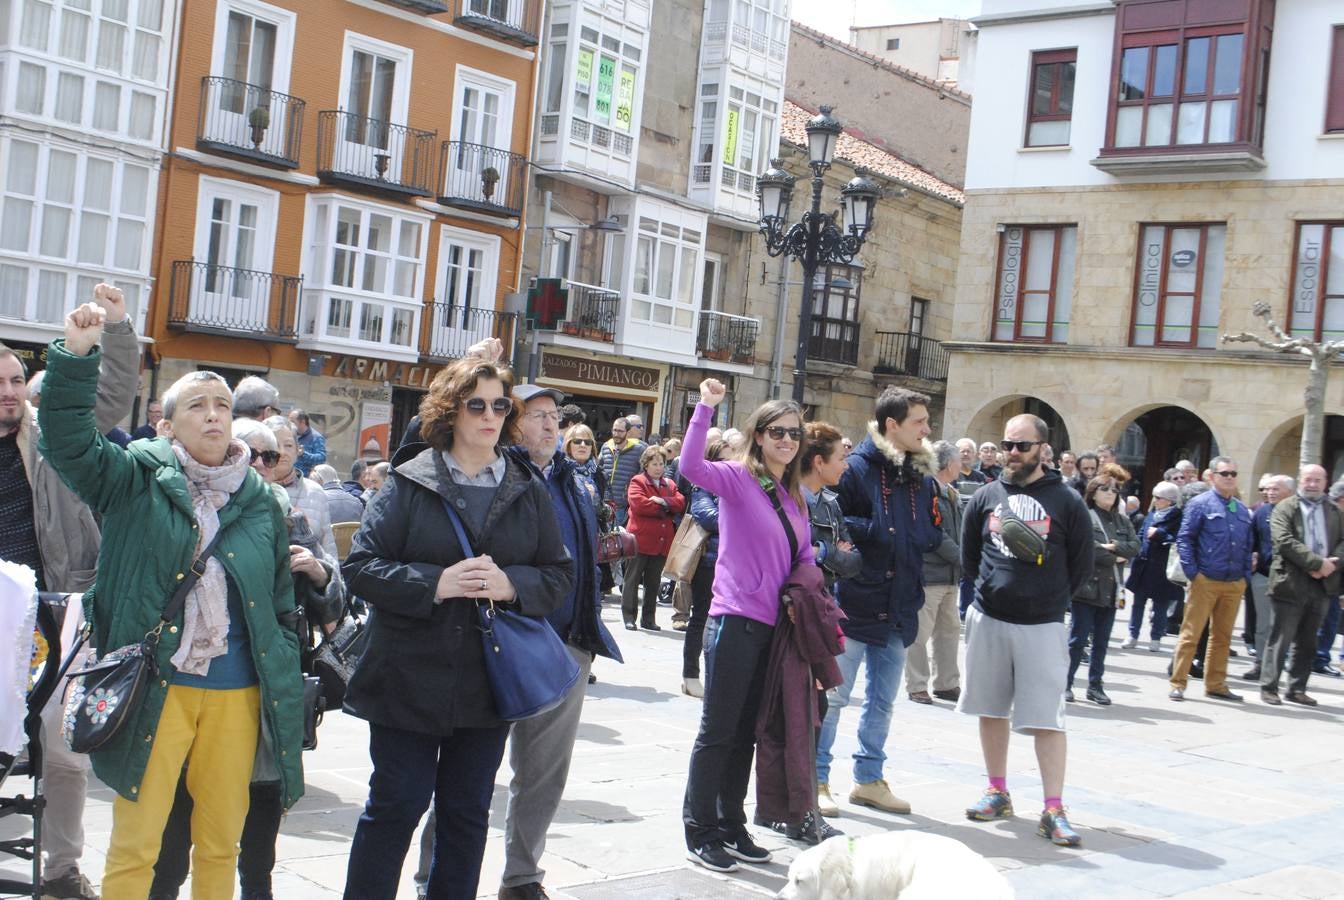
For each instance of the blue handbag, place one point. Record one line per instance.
(529, 667)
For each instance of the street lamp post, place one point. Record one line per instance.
(816, 240)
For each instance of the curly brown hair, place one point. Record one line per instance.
(454, 384)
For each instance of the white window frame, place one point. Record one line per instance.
(449, 338)
(282, 19)
(716, 286)
(402, 56)
(465, 77)
(318, 288)
(268, 209)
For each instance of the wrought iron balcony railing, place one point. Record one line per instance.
(371, 153)
(903, 353)
(727, 338)
(834, 340)
(421, 6)
(450, 329)
(236, 302)
(515, 21)
(480, 177)
(592, 312)
(246, 120)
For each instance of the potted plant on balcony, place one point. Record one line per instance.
(568, 327)
(489, 178)
(259, 119)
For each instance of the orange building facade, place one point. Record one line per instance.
(341, 205)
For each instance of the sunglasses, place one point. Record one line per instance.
(1108, 490)
(501, 405)
(582, 442)
(1019, 446)
(1231, 473)
(269, 458)
(779, 432)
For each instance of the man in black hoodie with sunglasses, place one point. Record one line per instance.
(1027, 546)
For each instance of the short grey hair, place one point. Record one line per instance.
(35, 386)
(275, 423)
(169, 399)
(1217, 460)
(1337, 490)
(967, 440)
(324, 473)
(249, 430)
(1192, 489)
(944, 454)
(382, 468)
(252, 395)
(1287, 483)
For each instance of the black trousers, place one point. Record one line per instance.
(648, 571)
(1293, 625)
(702, 592)
(737, 651)
(256, 856)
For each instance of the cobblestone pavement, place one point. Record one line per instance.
(1202, 799)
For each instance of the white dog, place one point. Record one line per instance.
(905, 864)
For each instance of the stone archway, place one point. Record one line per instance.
(1151, 438)
(1281, 448)
(987, 423)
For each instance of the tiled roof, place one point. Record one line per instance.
(857, 152)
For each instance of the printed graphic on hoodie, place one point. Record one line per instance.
(1026, 508)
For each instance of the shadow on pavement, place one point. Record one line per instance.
(643, 693)
(599, 734)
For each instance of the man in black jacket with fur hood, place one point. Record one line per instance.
(1027, 545)
(889, 499)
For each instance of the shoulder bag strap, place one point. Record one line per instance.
(179, 599)
(457, 527)
(773, 493)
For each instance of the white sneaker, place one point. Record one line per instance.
(1129, 643)
(692, 687)
(1154, 645)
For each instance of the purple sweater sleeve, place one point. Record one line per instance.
(721, 478)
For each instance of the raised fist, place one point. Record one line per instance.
(84, 328)
(712, 392)
(490, 350)
(112, 300)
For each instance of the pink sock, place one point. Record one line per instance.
(1054, 803)
(999, 784)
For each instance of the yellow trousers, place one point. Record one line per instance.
(215, 734)
(1214, 603)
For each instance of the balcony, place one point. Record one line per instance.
(245, 120)
(512, 21)
(834, 341)
(727, 338)
(591, 312)
(222, 300)
(903, 353)
(474, 176)
(450, 329)
(428, 7)
(373, 154)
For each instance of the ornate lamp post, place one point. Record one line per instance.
(816, 240)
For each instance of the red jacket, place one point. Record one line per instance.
(652, 524)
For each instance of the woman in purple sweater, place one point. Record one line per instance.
(755, 558)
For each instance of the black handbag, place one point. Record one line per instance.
(104, 696)
(314, 705)
(529, 667)
(335, 659)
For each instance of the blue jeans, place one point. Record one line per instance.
(1096, 622)
(458, 772)
(884, 665)
(1325, 638)
(1158, 623)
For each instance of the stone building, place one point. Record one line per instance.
(1140, 173)
(931, 48)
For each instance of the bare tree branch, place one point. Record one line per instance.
(1288, 345)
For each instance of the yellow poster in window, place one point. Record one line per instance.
(730, 138)
(583, 79)
(625, 101)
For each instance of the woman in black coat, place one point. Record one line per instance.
(1148, 575)
(422, 685)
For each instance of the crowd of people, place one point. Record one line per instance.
(811, 558)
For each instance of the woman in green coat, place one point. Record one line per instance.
(227, 700)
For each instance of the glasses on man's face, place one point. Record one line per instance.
(501, 405)
(779, 433)
(1227, 473)
(269, 458)
(543, 416)
(1019, 446)
(582, 442)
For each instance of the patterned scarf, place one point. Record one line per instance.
(205, 623)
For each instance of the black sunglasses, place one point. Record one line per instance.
(583, 442)
(1019, 446)
(1230, 473)
(779, 432)
(501, 405)
(269, 458)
